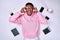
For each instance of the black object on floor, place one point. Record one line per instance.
(12, 14)
(46, 30)
(15, 32)
(47, 17)
(41, 10)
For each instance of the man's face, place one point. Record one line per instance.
(29, 10)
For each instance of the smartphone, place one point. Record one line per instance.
(41, 10)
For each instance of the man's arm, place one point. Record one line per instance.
(42, 18)
(15, 18)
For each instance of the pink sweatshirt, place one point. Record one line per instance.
(30, 24)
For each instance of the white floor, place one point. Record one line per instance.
(8, 6)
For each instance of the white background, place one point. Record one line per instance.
(8, 6)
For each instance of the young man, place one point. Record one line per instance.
(30, 19)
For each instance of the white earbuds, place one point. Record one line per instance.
(50, 10)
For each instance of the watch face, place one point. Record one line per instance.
(15, 32)
(41, 10)
(11, 14)
(46, 30)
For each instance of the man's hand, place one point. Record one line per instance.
(23, 10)
(35, 10)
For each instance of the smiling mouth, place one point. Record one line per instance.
(29, 14)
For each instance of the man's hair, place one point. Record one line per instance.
(29, 4)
